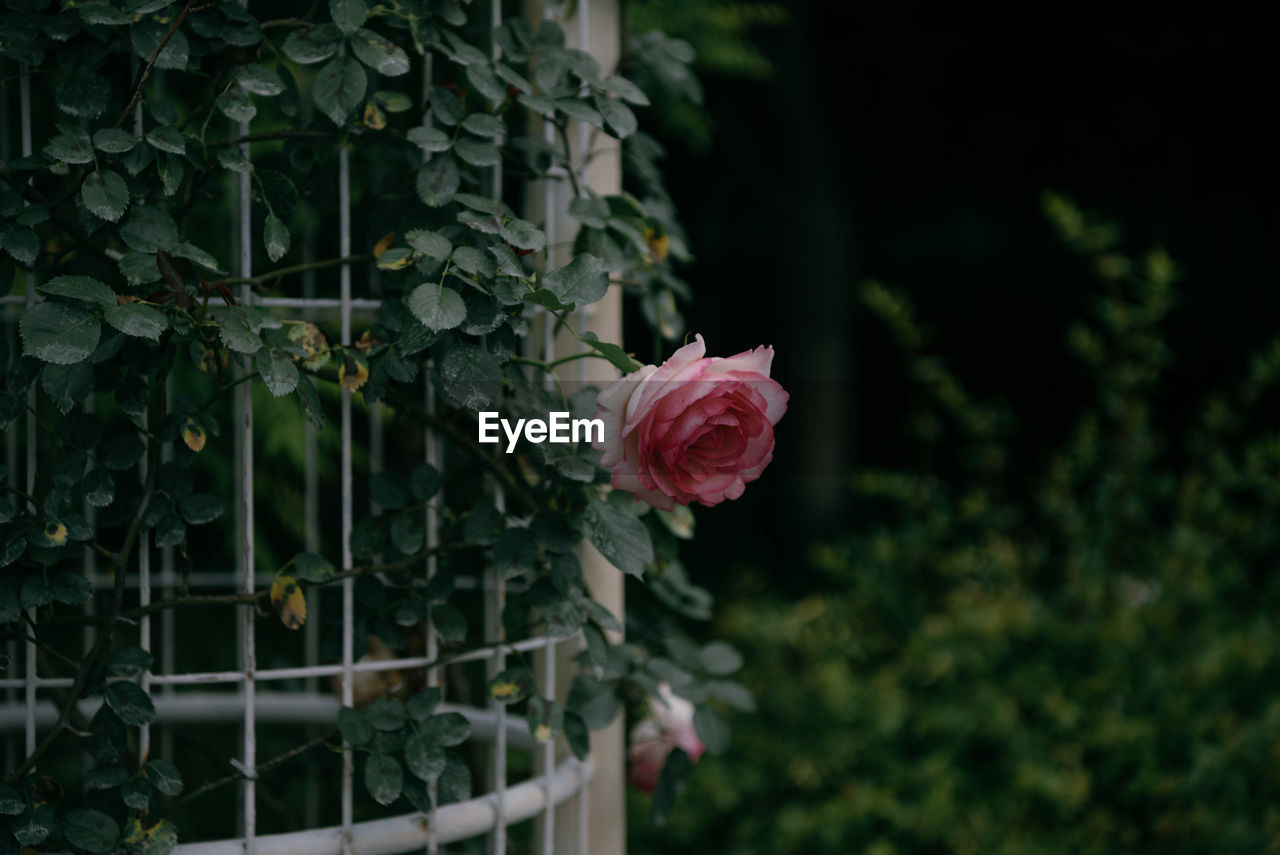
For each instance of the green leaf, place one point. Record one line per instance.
(429, 140)
(384, 778)
(626, 90)
(167, 139)
(429, 243)
(21, 242)
(454, 784)
(278, 372)
(348, 14)
(164, 776)
(258, 79)
(11, 803)
(236, 105)
(276, 236)
(139, 268)
(201, 508)
(422, 704)
(147, 36)
(59, 332)
(620, 537)
(80, 288)
(476, 152)
(105, 195)
(617, 115)
(129, 662)
(438, 180)
(712, 729)
(103, 13)
(576, 108)
(577, 735)
(354, 727)
(130, 703)
(83, 92)
(674, 773)
(71, 147)
(719, 659)
(340, 86)
(424, 757)
(113, 140)
(150, 229)
(91, 830)
(472, 376)
(67, 385)
(511, 686)
(136, 793)
(523, 234)
(611, 352)
(311, 567)
(486, 82)
(581, 281)
(191, 252)
(138, 320)
(379, 53)
(238, 337)
(438, 307)
(386, 715)
(484, 125)
(447, 729)
(594, 700)
(316, 45)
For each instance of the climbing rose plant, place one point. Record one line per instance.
(115, 225)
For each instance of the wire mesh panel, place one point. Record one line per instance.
(210, 676)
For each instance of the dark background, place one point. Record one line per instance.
(917, 157)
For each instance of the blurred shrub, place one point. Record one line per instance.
(1087, 664)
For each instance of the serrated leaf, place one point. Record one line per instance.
(21, 242)
(472, 376)
(354, 727)
(79, 288)
(258, 79)
(147, 37)
(476, 152)
(90, 830)
(511, 686)
(236, 105)
(137, 320)
(447, 729)
(59, 333)
(577, 735)
(278, 372)
(617, 115)
(201, 508)
(318, 44)
(581, 281)
(113, 140)
(167, 139)
(276, 237)
(484, 125)
(620, 537)
(610, 351)
(340, 86)
(576, 108)
(438, 307)
(70, 147)
(129, 662)
(83, 92)
(626, 90)
(238, 337)
(424, 757)
(523, 234)
(429, 140)
(379, 53)
(386, 715)
(130, 703)
(150, 229)
(348, 14)
(384, 778)
(191, 252)
(438, 180)
(164, 776)
(105, 195)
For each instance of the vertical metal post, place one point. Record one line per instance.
(29, 279)
(348, 589)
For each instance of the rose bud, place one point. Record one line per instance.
(696, 428)
(669, 725)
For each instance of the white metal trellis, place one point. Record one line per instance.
(563, 789)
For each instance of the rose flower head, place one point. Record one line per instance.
(695, 428)
(669, 725)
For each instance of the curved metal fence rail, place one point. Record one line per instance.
(254, 696)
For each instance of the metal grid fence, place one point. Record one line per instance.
(23, 710)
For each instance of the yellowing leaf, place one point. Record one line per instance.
(658, 244)
(354, 373)
(374, 117)
(314, 345)
(383, 244)
(150, 837)
(55, 534)
(542, 732)
(366, 342)
(289, 601)
(193, 435)
(505, 691)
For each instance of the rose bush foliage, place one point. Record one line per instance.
(116, 223)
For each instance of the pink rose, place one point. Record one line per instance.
(694, 428)
(669, 725)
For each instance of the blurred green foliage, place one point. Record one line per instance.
(1075, 654)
